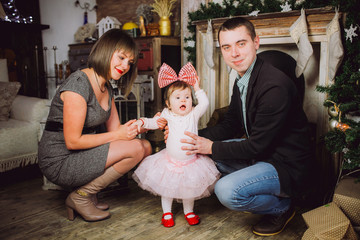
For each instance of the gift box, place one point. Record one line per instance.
(347, 198)
(328, 222)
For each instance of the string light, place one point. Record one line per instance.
(13, 15)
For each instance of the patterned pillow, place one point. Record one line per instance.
(8, 92)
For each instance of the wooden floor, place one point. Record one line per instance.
(29, 212)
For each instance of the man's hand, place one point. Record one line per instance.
(198, 144)
(166, 133)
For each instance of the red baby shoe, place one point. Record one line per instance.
(167, 222)
(192, 220)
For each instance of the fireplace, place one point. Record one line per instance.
(25, 42)
(273, 29)
(21, 44)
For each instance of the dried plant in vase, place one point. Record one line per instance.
(163, 9)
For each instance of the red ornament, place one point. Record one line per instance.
(342, 126)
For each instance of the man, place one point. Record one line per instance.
(264, 172)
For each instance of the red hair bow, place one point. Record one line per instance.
(167, 75)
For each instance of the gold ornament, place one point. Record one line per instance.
(333, 111)
(142, 27)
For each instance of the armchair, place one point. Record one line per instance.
(20, 134)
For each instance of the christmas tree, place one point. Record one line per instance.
(343, 95)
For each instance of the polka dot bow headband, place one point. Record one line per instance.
(167, 75)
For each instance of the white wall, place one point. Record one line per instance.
(64, 20)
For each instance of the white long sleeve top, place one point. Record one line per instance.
(179, 124)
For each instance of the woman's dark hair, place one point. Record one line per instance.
(236, 22)
(103, 50)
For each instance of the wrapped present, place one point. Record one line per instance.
(347, 198)
(328, 222)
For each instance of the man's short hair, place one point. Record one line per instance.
(236, 22)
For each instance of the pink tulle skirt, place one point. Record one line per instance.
(167, 177)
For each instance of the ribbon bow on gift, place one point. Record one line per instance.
(167, 75)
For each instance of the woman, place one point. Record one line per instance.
(71, 153)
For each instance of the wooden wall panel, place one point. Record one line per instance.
(125, 11)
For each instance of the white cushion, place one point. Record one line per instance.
(4, 75)
(29, 109)
(18, 137)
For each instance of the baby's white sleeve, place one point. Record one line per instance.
(150, 123)
(203, 103)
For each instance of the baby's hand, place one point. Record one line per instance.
(139, 123)
(161, 122)
(197, 84)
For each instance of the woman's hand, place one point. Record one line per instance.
(127, 131)
(161, 123)
(138, 123)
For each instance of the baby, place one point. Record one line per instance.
(171, 173)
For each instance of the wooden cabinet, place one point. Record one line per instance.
(78, 55)
(162, 49)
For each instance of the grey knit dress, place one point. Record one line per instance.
(73, 168)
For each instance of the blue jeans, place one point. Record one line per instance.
(254, 188)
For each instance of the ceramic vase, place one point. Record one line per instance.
(165, 26)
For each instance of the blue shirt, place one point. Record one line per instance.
(243, 83)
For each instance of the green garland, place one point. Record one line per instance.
(345, 90)
(244, 7)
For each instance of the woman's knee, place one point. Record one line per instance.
(138, 150)
(147, 147)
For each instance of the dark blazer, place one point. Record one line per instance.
(277, 126)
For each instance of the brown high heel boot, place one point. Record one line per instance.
(99, 205)
(80, 200)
